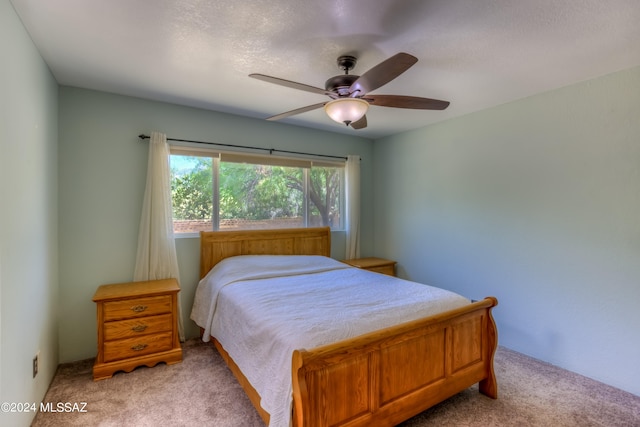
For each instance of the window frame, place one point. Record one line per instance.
(218, 156)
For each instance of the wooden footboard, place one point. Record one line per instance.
(388, 376)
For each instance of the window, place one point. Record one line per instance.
(219, 191)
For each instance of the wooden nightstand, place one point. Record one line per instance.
(137, 325)
(379, 265)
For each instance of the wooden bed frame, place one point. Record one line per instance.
(381, 378)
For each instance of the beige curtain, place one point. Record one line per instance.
(352, 173)
(156, 257)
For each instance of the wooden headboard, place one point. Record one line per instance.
(218, 245)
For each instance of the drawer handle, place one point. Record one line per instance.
(139, 347)
(139, 308)
(139, 328)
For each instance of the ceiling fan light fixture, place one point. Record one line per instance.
(346, 110)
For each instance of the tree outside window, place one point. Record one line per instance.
(253, 195)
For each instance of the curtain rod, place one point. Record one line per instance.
(270, 150)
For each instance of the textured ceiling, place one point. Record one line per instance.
(474, 53)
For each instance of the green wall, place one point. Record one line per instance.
(536, 202)
(102, 176)
(28, 219)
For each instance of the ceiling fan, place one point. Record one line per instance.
(349, 93)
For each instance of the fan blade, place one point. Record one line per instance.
(290, 84)
(360, 124)
(296, 111)
(383, 73)
(401, 101)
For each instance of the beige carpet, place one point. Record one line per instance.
(201, 391)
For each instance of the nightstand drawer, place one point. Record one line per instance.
(135, 327)
(131, 347)
(137, 307)
(378, 265)
(386, 269)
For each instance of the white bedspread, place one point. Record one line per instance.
(281, 303)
